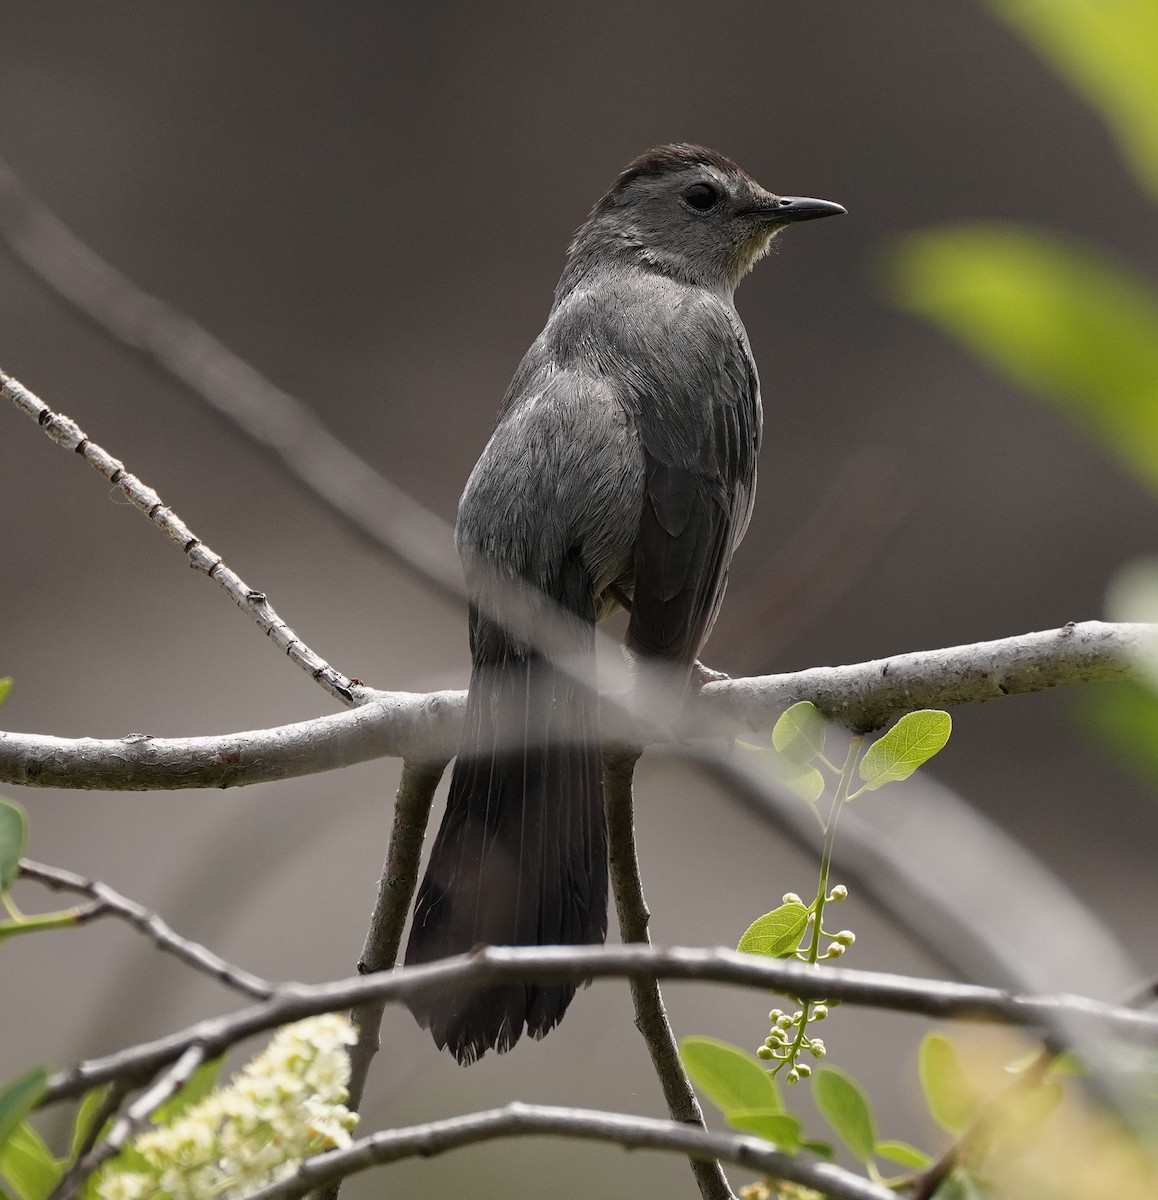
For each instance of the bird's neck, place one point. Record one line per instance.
(597, 248)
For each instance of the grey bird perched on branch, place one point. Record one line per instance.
(620, 473)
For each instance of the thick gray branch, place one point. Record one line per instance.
(866, 696)
(426, 727)
(496, 965)
(525, 1120)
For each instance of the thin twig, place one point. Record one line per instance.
(66, 433)
(650, 1014)
(427, 726)
(492, 966)
(130, 1122)
(112, 904)
(523, 1120)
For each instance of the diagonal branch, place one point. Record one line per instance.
(497, 965)
(277, 423)
(426, 727)
(66, 433)
(525, 1120)
(111, 903)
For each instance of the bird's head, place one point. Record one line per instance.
(692, 213)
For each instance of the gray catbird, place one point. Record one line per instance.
(620, 474)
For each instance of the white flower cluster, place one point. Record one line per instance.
(285, 1105)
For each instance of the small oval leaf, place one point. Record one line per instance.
(777, 933)
(18, 1098)
(13, 835)
(904, 1154)
(948, 1092)
(729, 1078)
(5, 687)
(799, 732)
(809, 784)
(780, 1128)
(912, 741)
(846, 1108)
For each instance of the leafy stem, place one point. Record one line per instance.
(838, 802)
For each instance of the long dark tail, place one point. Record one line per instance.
(521, 857)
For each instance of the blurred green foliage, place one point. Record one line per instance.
(1062, 318)
(1107, 50)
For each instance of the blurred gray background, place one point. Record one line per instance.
(371, 202)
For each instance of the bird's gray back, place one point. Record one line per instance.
(631, 365)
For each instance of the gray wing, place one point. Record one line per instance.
(700, 434)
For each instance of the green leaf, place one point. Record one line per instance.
(18, 1098)
(808, 784)
(948, 1092)
(904, 1154)
(912, 741)
(780, 1128)
(86, 1113)
(729, 1078)
(799, 733)
(1124, 717)
(962, 1186)
(824, 1149)
(1023, 1114)
(777, 933)
(200, 1084)
(1107, 50)
(27, 1165)
(13, 836)
(846, 1108)
(1061, 319)
(1068, 1063)
(5, 687)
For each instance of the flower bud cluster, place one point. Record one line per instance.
(788, 1040)
(286, 1104)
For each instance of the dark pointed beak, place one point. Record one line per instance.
(798, 208)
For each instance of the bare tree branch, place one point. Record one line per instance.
(276, 422)
(497, 965)
(523, 1120)
(866, 696)
(111, 903)
(650, 1014)
(426, 726)
(66, 433)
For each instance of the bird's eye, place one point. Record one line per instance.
(702, 196)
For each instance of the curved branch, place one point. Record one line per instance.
(426, 727)
(525, 1120)
(492, 966)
